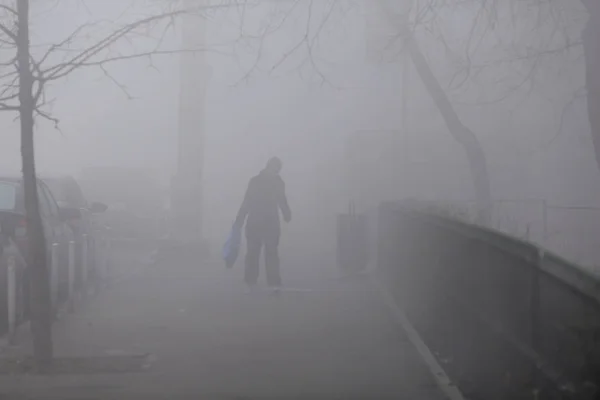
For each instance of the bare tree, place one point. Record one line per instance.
(459, 131)
(317, 17)
(23, 80)
(503, 46)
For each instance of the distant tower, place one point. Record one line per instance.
(194, 78)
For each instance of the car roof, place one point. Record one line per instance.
(11, 178)
(17, 179)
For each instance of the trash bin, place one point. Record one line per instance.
(352, 241)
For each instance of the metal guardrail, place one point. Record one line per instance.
(73, 271)
(565, 229)
(544, 310)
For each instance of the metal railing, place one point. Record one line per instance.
(506, 307)
(566, 229)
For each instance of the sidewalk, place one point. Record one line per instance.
(209, 339)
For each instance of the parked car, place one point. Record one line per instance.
(68, 194)
(55, 220)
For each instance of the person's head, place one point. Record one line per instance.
(274, 165)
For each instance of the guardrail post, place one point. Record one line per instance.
(71, 276)
(84, 261)
(54, 259)
(11, 294)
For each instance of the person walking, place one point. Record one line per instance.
(264, 197)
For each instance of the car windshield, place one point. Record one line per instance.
(8, 196)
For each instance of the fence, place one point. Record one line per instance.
(506, 310)
(74, 268)
(568, 230)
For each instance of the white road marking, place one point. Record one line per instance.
(445, 384)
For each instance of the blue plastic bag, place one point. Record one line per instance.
(231, 249)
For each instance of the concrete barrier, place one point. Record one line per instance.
(537, 314)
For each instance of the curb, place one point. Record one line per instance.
(447, 387)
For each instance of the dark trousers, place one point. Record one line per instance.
(255, 240)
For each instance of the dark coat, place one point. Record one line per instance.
(264, 198)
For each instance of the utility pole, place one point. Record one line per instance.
(186, 190)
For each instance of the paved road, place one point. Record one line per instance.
(209, 339)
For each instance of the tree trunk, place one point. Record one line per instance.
(462, 134)
(591, 51)
(41, 308)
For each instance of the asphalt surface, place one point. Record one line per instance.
(205, 337)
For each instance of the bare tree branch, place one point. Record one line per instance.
(116, 82)
(8, 107)
(70, 67)
(48, 117)
(98, 54)
(8, 33)
(10, 10)
(82, 58)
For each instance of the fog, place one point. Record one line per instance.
(474, 110)
(301, 102)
